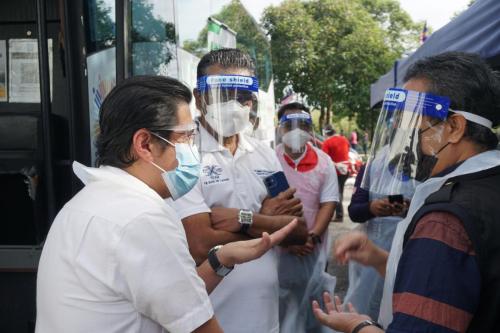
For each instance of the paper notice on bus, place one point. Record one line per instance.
(24, 78)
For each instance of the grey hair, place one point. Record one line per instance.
(470, 84)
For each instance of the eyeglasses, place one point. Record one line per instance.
(185, 138)
(179, 137)
(182, 133)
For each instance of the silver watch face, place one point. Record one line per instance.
(245, 217)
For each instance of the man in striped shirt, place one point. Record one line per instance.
(448, 277)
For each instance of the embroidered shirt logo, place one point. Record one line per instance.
(213, 174)
(212, 170)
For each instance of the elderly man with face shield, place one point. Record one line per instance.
(229, 202)
(302, 273)
(442, 273)
(116, 257)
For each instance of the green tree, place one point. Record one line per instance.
(401, 33)
(332, 50)
(250, 38)
(102, 25)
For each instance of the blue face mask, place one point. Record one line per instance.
(183, 178)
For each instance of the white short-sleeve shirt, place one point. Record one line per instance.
(116, 259)
(247, 299)
(330, 187)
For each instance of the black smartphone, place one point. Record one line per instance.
(276, 183)
(396, 198)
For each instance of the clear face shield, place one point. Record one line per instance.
(254, 122)
(229, 103)
(406, 142)
(295, 131)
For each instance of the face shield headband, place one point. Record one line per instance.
(225, 81)
(302, 117)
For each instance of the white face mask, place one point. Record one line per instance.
(296, 139)
(228, 118)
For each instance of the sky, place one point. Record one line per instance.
(436, 12)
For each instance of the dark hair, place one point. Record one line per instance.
(329, 130)
(292, 106)
(149, 102)
(227, 58)
(470, 84)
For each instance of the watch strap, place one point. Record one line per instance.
(244, 228)
(214, 262)
(365, 323)
(245, 218)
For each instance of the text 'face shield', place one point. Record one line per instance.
(406, 141)
(228, 102)
(295, 130)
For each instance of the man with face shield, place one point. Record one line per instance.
(302, 267)
(116, 257)
(442, 271)
(229, 201)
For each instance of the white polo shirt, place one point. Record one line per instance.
(247, 299)
(116, 259)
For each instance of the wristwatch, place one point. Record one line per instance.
(364, 324)
(245, 218)
(214, 262)
(315, 238)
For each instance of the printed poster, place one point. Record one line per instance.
(24, 78)
(101, 67)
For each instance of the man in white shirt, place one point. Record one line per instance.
(302, 273)
(116, 257)
(229, 201)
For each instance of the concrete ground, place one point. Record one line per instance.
(336, 229)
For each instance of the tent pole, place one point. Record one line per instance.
(396, 73)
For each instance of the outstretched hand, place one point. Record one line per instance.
(244, 251)
(334, 317)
